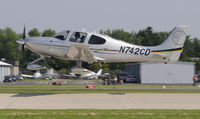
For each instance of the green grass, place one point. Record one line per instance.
(101, 86)
(99, 114)
(98, 89)
(30, 79)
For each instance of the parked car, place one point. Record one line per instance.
(19, 78)
(105, 75)
(9, 78)
(13, 78)
(128, 77)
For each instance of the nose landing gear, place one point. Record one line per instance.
(33, 66)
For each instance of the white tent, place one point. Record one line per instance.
(5, 69)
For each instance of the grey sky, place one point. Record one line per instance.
(93, 15)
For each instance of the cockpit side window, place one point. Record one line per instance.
(78, 37)
(62, 35)
(96, 40)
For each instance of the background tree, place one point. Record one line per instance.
(48, 33)
(34, 33)
(8, 45)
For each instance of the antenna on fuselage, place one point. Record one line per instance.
(83, 29)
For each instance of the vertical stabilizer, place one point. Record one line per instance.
(99, 72)
(173, 45)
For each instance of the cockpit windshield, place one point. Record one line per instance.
(62, 35)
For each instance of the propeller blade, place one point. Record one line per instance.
(22, 50)
(22, 42)
(24, 32)
(24, 37)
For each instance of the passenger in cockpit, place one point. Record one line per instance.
(82, 39)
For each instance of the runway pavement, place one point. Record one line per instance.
(99, 101)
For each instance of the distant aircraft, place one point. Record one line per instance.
(82, 46)
(38, 75)
(84, 73)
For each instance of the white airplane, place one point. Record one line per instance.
(84, 73)
(37, 75)
(82, 46)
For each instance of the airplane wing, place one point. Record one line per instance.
(81, 52)
(98, 58)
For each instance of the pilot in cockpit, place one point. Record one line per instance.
(77, 37)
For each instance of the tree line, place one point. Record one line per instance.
(11, 51)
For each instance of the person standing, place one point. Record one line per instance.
(104, 81)
(108, 80)
(194, 80)
(115, 80)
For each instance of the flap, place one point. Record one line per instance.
(80, 52)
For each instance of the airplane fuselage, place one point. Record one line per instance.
(111, 50)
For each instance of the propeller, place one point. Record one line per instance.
(22, 42)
